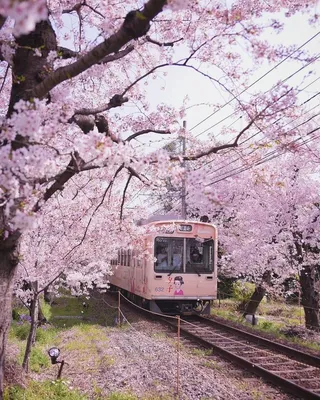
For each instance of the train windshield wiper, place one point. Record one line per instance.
(195, 269)
(172, 271)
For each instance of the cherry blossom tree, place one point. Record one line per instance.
(62, 89)
(46, 260)
(269, 226)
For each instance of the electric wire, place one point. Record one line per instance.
(260, 131)
(269, 90)
(256, 81)
(267, 157)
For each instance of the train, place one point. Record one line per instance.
(175, 269)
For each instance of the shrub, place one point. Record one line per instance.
(46, 309)
(242, 291)
(21, 331)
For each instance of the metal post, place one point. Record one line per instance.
(119, 313)
(183, 190)
(178, 358)
(299, 303)
(60, 369)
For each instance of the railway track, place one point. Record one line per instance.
(292, 370)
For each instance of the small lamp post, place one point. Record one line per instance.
(54, 353)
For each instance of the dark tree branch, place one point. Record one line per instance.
(94, 212)
(84, 122)
(94, 10)
(5, 77)
(144, 131)
(166, 44)
(116, 101)
(134, 173)
(75, 8)
(124, 195)
(117, 56)
(73, 168)
(65, 53)
(144, 76)
(50, 283)
(215, 149)
(2, 20)
(139, 21)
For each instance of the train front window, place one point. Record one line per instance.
(168, 254)
(199, 255)
(183, 255)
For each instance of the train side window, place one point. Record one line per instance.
(119, 257)
(129, 258)
(122, 257)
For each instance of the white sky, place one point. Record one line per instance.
(181, 82)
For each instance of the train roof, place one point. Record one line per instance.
(170, 218)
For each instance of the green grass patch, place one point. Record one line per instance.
(46, 334)
(84, 338)
(121, 396)
(130, 396)
(38, 360)
(69, 311)
(276, 315)
(68, 306)
(201, 352)
(49, 390)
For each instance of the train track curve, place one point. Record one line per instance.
(292, 370)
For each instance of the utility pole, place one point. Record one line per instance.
(183, 190)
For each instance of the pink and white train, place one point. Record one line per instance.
(175, 272)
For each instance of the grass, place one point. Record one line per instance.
(46, 336)
(50, 390)
(69, 311)
(38, 359)
(211, 364)
(130, 396)
(201, 352)
(272, 317)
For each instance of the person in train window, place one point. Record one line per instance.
(195, 256)
(178, 282)
(162, 259)
(177, 260)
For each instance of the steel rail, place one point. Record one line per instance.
(285, 384)
(289, 351)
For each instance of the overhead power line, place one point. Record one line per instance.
(253, 83)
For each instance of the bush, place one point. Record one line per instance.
(242, 291)
(21, 331)
(225, 286)
(15, 314)
(46, 309)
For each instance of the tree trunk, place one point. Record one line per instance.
(41, 318)
(258, 295)
(310, 297)
(8, 265)
(33, 327)
(307, 279)
(256, 298)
